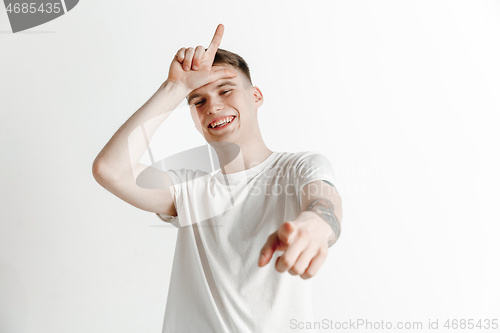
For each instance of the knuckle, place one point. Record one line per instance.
(286, 261)
(297, 270)
(304, 233)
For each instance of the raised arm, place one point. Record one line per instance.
(117, 166)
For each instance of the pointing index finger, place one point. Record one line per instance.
(214, 44)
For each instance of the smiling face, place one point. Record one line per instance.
(230, 103)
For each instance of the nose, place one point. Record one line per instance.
(214, 106)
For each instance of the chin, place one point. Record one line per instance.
(221, 138)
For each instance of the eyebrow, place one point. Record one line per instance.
(220, 85)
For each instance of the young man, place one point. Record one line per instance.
(231, 222)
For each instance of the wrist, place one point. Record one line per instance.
(319, 223)
(315, 221)
(174, 87)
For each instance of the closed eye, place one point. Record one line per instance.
(222, 93)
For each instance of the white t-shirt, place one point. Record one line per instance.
(223, 222)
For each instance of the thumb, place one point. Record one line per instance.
(224, 73)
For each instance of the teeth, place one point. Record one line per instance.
(222, 121)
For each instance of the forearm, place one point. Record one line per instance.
(325, 210)
(122, 153)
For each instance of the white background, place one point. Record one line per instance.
(401, 96)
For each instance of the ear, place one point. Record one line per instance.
(258, 98)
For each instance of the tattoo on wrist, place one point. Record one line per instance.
(324, 208)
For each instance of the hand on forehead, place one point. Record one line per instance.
(212, 85)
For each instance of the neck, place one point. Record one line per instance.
(234, 158)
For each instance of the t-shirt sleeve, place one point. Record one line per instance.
(175, 177)
(310, 167)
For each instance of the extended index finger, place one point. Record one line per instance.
(214, 44)
(266, 252)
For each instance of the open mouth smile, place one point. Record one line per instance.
(221, 123)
